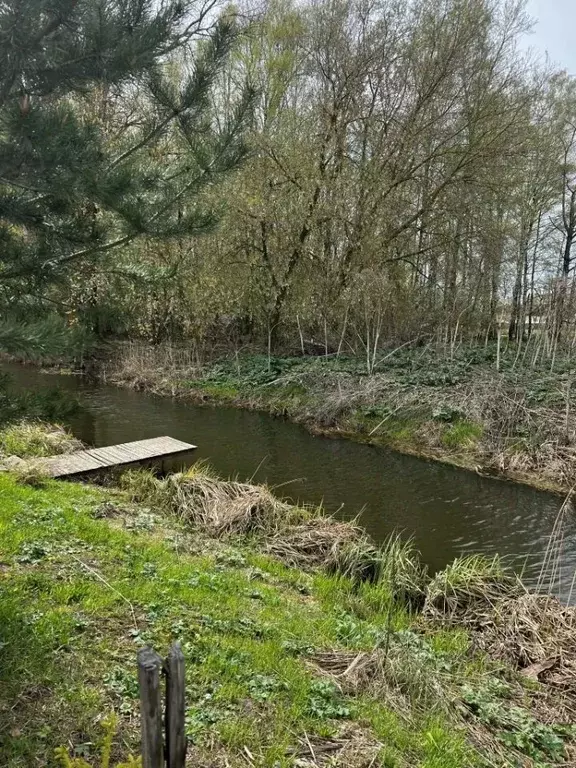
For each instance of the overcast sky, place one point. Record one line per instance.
(555, 31)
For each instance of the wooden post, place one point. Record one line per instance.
(149, 666)
(175, 708)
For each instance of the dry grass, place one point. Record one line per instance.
(536, 635)
(351, 747)
(515, 437)
(222, 508)
(322, 542)
(31, 473)
(154, 368)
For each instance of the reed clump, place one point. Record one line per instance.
(536, 635)
(323, 542)
(403, 571)
(222, 508)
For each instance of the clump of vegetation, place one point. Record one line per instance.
(403, 571)
(218, 507)
(462, 434)
(33, 474)
(322, 542)
(468, 590)
(300, 536)
(29, 439)
(529, 630)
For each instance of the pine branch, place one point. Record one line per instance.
(42, 338)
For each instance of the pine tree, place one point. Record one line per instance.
(69, 195)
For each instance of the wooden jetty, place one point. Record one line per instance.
(97, 459)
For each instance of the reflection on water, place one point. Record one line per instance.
(448, 511)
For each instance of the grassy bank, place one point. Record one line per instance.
(305, 645)
(517, 422)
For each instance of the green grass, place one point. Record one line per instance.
(462, 434)
(87, 577)
(219, 391)
(80, 594)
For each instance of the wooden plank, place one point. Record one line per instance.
(83, 462)
(149, 666)
(175, 708)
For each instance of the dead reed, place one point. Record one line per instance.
(300, 536)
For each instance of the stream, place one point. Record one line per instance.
(448, 511)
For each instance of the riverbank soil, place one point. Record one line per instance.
(455, 406)
(305, 644)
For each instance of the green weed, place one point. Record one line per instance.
(515, 726)
(462, 434)
(109, 725)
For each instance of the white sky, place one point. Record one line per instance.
(554, 31)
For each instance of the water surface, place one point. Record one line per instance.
(447, 511)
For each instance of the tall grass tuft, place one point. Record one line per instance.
(29, 439)
(469, 588)
(402, 570)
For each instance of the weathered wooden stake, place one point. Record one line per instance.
(149, 666)
(175, 708)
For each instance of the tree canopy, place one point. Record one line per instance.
(410, 172)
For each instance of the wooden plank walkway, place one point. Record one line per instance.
(85, 462)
